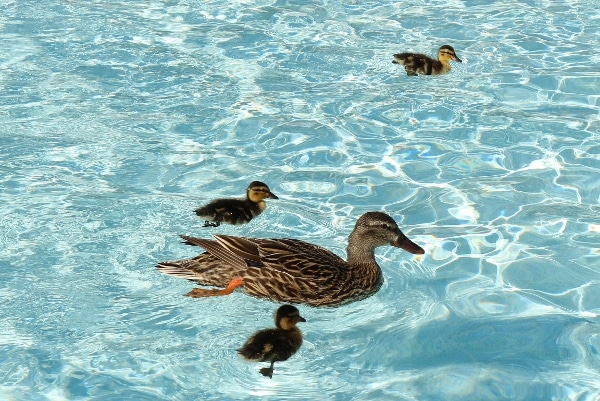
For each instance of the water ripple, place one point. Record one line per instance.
(119, 119)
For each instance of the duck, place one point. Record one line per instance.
(417, 63)
(236, 211)
(275, 344)
(290, 270)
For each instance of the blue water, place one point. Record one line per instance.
(118, 118)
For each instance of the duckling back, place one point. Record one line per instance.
(271, 345)
(230, 211)
(417, 63)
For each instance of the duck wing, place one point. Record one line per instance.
(244, 248)
(297, 272)
(217, 265)
(216, 249)
(300, 259)
(294, 257)
(286, 270)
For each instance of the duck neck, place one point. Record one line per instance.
(445, 66)
(361, 253)
(364, 272)
(262, 205)
(360, 256)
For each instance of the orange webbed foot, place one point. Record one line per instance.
(201, 292)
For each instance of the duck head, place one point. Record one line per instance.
(381, 229)
(287, 316)
(447, 53)
(257, 191)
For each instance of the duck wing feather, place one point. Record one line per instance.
(295, 271)
(285, 270)
(300, 259)
(245, 248)
(216, 249)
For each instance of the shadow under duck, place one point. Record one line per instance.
(290, 270)
(277, 344)
(417, 63)
(236, 211)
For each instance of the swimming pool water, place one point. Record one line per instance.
(118, 118)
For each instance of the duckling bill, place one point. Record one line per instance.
(236, 211)
(417, 63)
(275, 344)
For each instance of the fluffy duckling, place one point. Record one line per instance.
(278, 344)
(236, 211)
(416, 63)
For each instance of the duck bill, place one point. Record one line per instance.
(455, 58)
(408, 246)
(273, 196)
(301, 319)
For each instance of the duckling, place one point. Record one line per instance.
(277, 344)
(236, 211)
(416, 63)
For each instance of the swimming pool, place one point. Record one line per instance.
(118, 119)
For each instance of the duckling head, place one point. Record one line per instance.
(287, 316)
(257, 191)
(447, 53)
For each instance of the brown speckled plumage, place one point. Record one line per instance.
(294, 271)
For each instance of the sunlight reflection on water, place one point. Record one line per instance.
(120, 119)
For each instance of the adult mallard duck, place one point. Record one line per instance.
(236, 211)
(417, 63)
(278, 344)
(290, 270)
